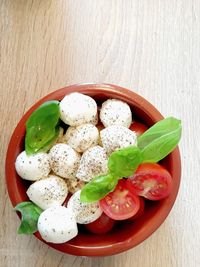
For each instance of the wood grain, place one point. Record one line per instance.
(152, 47)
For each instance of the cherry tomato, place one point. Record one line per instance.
(151, 181)
(120, 204)
(138, 128)
(140, 211)
(101, 226)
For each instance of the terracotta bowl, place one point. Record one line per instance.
(125, 235)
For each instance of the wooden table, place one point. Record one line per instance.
(149, 46)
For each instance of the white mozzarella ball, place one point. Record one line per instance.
(70, 132)
(93, 162)
(64, 160)
(77, 109)
(82, 137)
(84, 212)
(32, 167)
(115, 112)
(116, 137)
(49, 192)
(57, 225)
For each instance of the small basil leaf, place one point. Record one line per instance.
(160, 140)
(30, 214)
(47, 145)
(123, 162)
(98, 188)
(42, 127)
(159, 129)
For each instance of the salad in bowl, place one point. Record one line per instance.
(93, 171)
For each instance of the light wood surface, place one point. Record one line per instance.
(149, 46)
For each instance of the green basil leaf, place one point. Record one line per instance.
(160, 140)
(98, 188)
(47, 145)
(30, 214)
(42, 127)
(159, 129)
(123, 162)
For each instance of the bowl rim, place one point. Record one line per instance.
(124, 94)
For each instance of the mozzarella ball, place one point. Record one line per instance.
(82, 137)
(74, 185)
(57, 225)
(84, 212)
(64, 160)
(49, 192)
(32, 167)
(116, 137)
(70, 132)
(77, 109)
(93, 162)
(115, 112)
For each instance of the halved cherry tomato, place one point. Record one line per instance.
(138, 128)
(151, 181)
(140, 211)
(120, 204)
(102, 225)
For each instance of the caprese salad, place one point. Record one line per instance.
(85, 171)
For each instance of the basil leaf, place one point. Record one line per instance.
(47, 145)
(98, 188)
(159, 129)
(42, 127)
(123, 162)
(30, 214)
(160, 140)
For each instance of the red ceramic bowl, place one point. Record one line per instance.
(125, 235)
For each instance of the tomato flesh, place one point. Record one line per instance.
(120, 204)
(138, 128)
(151, 181)
(101, 226)
(140, 211)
